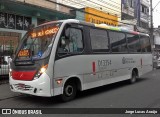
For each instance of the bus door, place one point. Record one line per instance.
(69, 60)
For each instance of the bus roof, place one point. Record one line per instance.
(103, 26)
(120, 29)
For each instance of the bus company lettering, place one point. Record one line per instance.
(127, 60)
(103, 64)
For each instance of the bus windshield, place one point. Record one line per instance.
(38, 42)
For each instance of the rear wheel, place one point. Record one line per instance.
(69, 91)
(133, 78)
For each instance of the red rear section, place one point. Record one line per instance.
(23, 75)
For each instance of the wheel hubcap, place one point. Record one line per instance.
(69, 90)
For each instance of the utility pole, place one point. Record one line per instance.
(151, 28)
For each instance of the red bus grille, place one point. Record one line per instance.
(23, 75)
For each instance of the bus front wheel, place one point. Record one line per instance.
(69, 91)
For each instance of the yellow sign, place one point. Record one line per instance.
(99, 17)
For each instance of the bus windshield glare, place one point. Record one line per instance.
(38, 42)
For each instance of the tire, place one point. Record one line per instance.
(69, 91)
(133, 78)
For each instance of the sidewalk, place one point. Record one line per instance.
(5, 92)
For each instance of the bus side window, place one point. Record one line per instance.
(118, 42)
(76, 43)
(99, 40)
(145, 44)
(133, 43)
(71, 41)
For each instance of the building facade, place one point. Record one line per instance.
(99, 17)
(156, 46)
(92, 15)
(96, 11)
(137, 14)
(109, 6)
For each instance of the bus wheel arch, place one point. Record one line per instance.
(134, 75)
(70, 88)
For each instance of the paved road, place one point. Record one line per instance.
(143, 94)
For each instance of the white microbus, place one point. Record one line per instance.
(62, 57)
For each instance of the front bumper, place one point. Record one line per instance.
(38, 87)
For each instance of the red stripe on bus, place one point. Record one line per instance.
(94, 68)
(23, 75)
(141, 62)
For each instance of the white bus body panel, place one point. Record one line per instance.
(106, 73)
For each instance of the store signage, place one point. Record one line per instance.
(12, 21)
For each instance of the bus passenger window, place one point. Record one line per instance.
(72, 43)
(133, 43)
(145, 43)
(63, 45)
(118, 42)
(99, 40)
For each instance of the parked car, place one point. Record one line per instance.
(156, 62)
(4, 65)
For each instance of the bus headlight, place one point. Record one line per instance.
(10, 72)
(41, 71)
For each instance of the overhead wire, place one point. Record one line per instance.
(87, 12)
(93, 5)
(84, 5)
(104, 6)
(155, 6)
(113, 5)
(115, 2)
